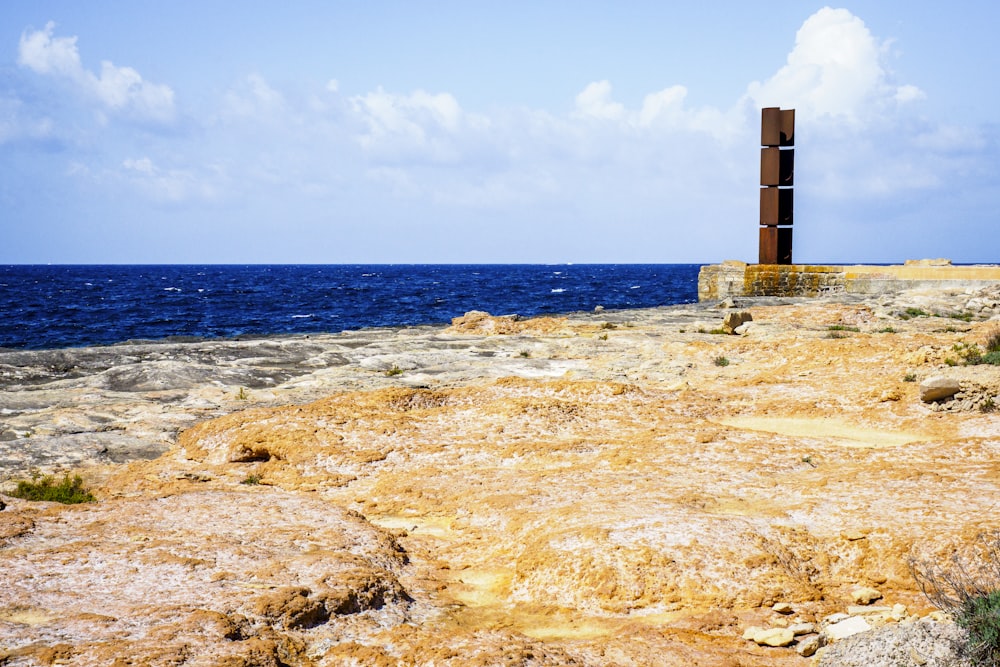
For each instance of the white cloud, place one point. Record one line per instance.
(164, 186)
(836, 69)
(594, 101)
(119, 89)
(254, 97)
(664, 105)
(17, 122)
(420, 125)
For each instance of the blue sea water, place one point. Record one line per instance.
(70, 306)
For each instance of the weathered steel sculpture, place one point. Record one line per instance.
(777, 170)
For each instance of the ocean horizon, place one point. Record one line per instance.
(74, 305)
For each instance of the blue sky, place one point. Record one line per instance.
(398, 132)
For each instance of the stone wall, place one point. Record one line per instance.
(735, 279)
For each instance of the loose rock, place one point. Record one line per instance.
(774, 637)
(852, 625)
(865, 595)
(938, 387)
(734, 319)
(808, 646)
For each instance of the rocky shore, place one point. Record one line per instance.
(607, 488)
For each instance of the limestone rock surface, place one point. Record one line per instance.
(583, 490)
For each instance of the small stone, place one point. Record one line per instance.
(889, 395)
(852, 625)
(734, 319)
(857, 610)
(808, 646)
(938, 387)
(782, 608)
(865, 595)
(853, 534)
(802, 628)
(727, 303)
(749, 633)
(899, 612)
(836, 618)
(774, 637)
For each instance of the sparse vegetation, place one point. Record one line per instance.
(968, 588)
(988, 405)
(910, 377)
(721, 361)
(609, 325)
(842, 327)
(395, 370)
(971, 354)
(68, 491)
(242, 395)
(886, 330)
(836, 334)
(603, 336)
(965, 317)
(993, 341)
(524, 354)
(913, 312)
(251, 480)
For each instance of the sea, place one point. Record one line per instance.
(57, 306)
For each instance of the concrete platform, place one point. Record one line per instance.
(735, 279)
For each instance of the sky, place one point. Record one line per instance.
(349, 131)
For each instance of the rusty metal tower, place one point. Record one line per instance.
(777, 170)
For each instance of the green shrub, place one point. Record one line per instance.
(992, 358)
(886, 330)
(721, 361)
(914, 312)
(395, 370)
(980, 615)
(841, 327)
(993, 341)
(251, 480)
(910, 377)
(68, 492)
(968, 588)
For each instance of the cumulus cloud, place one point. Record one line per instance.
(164, 186)
(118, 89)
(594, 101)
(254, 97)
(835, 69)
(418, 124)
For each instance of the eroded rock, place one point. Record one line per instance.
(938, 388)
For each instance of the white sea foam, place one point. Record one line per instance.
(558, 290)
(295, 317)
